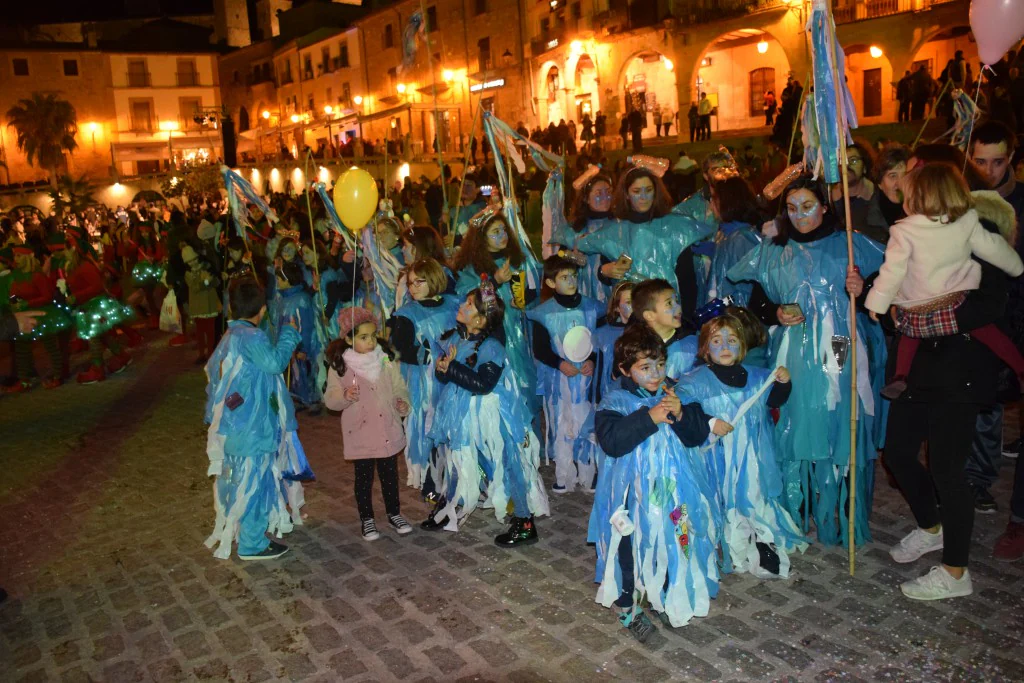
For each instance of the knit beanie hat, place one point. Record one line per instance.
(351, 318)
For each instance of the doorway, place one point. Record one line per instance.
(872, 92)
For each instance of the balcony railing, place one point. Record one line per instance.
(187, 79)
(286, 79)
(871, 9)
(138, 79)
(141, 125)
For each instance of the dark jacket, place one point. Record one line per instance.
(618, 434)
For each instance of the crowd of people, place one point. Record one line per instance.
(685, 359)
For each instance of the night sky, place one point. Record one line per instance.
(56, 11)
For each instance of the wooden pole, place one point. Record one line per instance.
(465, 165)
(852, 355)
(437, 116)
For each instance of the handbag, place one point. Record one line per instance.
(170, 318)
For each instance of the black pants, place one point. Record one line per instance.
(982, 468)
(387, 468)
(693, 131)
(705, 127)
(904, 112)
(625, 559)
(948, 428)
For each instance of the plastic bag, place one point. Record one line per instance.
(170, 319)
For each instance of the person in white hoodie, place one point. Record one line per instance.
(928, 268)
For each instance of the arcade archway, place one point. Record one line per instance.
(869, 76)
(648, 85)
(736, 71)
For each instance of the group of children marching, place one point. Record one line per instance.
(679, 460)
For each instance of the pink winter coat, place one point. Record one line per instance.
(372, 426)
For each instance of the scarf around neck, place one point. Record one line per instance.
(365, 365)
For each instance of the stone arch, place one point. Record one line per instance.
(584, 80)
(243, 119)
(550, 92)
(731, 66)
(647, 80)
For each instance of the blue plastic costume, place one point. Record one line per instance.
(304, 382)
(568, 401)
(429, 324)
(735, 242)
(520, 358)
(812, 437)
(253, 447)
(744, 470)
(590, 282)
(663, 486)
(697, 208)
(681, 354)
(488, 437)
(604, 343)
(654, 246)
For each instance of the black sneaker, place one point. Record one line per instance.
(370, 532)
(399, 524)
(271, 552)
(638, 624)
(1012, 450)
(430, 524)
(521, 531)
(984, 503)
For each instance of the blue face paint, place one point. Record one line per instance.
(625, 310)
(648, 373)
(497, 237)
(724, 341)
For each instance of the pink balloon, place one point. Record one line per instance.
(997, 26)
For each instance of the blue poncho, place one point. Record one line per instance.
(743, 468)
(664, 487)
(483, 438)
(304, 374)
(429, 324)
(735, 242)
(812, 437)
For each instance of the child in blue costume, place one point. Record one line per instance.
(656, 305)
(759, 534)
(655, 519)
(421, 242)
(806, 264)
(620, 308)
(754, 334)
(470, 203)
(252, 440)
(385, 251)
(295, 304)
(415, 331)
(739, 232)
(590, 214)
(657, 240)
(483, 427)
(566, 386)
(490, 249)
(341, 283)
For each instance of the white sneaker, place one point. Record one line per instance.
(937, 584)
(915, 544)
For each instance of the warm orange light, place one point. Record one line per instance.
(358, 99)
(762, 46)
(448, 75)
(93, 127)
(401, 88)
(295, 118)
(169, 126)
(266, 113)
(328, 109)
(875, 51)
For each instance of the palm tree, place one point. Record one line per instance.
(46, 127)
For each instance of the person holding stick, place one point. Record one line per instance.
(802, 282)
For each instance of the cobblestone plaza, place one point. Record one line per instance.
(105, 506)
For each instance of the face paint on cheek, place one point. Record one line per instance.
(648, 375)
(800, 213)
(497, 239)
(625, 311)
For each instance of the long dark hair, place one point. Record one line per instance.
(736, 201)
(494, 321)
(621, 206)
(581, 208)
(784, 225)
(335, 352)
(426, 242)
(474, 252)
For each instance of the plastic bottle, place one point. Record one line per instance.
(655, 165)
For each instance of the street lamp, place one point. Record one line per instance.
(92, 129)
(762, 46)
(328, 110)
(358, 99)
(875, 51)
(448, 75)
(266, 113)
(401, 88)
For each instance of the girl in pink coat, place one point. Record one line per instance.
(928, 268)
(365, 384)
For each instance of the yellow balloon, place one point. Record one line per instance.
(355, 198)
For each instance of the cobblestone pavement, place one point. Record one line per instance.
(104, 507)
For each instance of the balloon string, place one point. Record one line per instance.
(974, 117)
